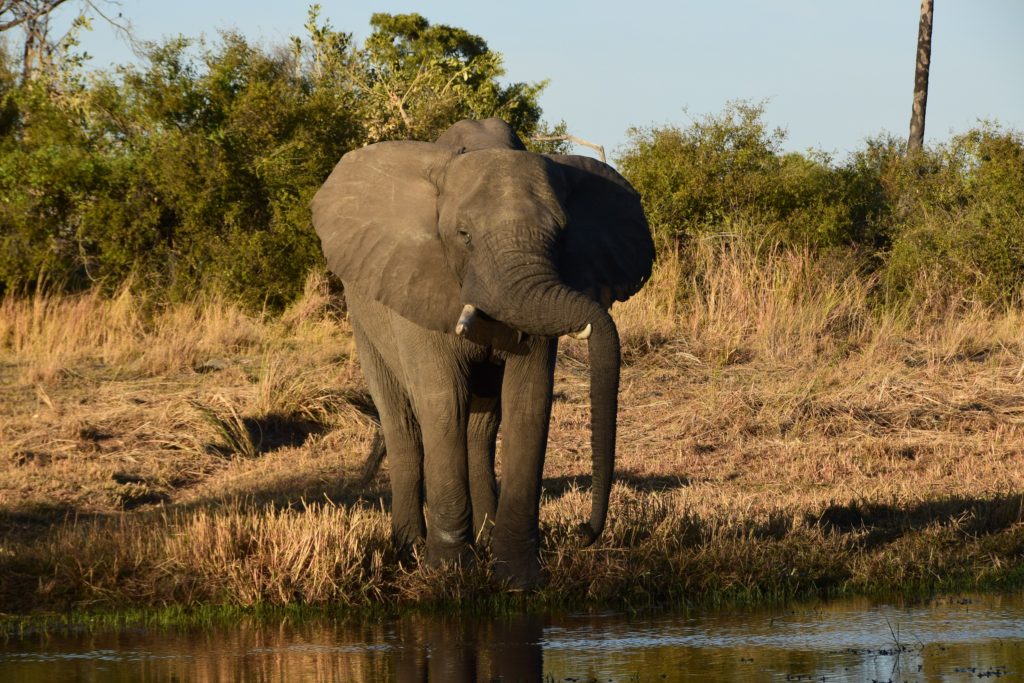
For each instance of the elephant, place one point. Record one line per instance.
(463, 261)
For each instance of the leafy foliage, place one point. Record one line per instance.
(727, 172)
(947, 222)
(960, 219)
(195, 169)
(418, 78)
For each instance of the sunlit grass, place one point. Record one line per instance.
(783, 430)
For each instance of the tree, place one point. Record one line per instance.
(924, 55)
(416, 78)
(194, 169)
(14, 13)
(33, 18)
(40, 52)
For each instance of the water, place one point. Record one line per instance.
(949, 639)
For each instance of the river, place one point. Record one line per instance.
(962, 638)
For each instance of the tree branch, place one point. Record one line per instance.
(124, 29)
(15, 8)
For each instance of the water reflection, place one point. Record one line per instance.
(944, 640)
(447, 649)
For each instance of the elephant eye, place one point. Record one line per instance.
(464, 235)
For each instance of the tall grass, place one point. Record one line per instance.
(783, 428)
(235, 555)
(51, 333)
(659, 547)
(729, 298)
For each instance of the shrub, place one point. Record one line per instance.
(727, 171)
(947, 222)
(194, 171)
(961, 220)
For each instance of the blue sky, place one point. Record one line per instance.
(833, 73)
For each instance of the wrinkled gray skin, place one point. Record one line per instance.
(463, 262)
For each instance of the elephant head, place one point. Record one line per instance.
(470, 135)
(472, 229)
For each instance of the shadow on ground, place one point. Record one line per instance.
(559, 486)
(880, 523)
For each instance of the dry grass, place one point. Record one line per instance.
(779, 432)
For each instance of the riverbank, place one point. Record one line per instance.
(780, 433)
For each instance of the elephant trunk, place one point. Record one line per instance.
(603, 348)
(539, 303)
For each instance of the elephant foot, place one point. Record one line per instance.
(407, 551)
(449, 549)
(407, 534)
(407, 546)
(517, 564)
(521, 575)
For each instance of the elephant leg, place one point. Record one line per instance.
(482, 433)
(402, 441)
(437, 379)
(526, 412)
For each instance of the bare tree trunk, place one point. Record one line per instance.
(40, 51)
(37, 50)
(924, 56)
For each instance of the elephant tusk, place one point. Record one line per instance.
(465, 320)
(585, 332)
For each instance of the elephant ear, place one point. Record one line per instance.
(376, 215)
(607, 249)
(470, 135)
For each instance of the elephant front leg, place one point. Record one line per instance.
(438, 384)
(446, 473)
(526, 412)
(402, 438)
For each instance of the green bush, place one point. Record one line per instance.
(946, 222)
(195, 170)
(726, 173)
(960, 220)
